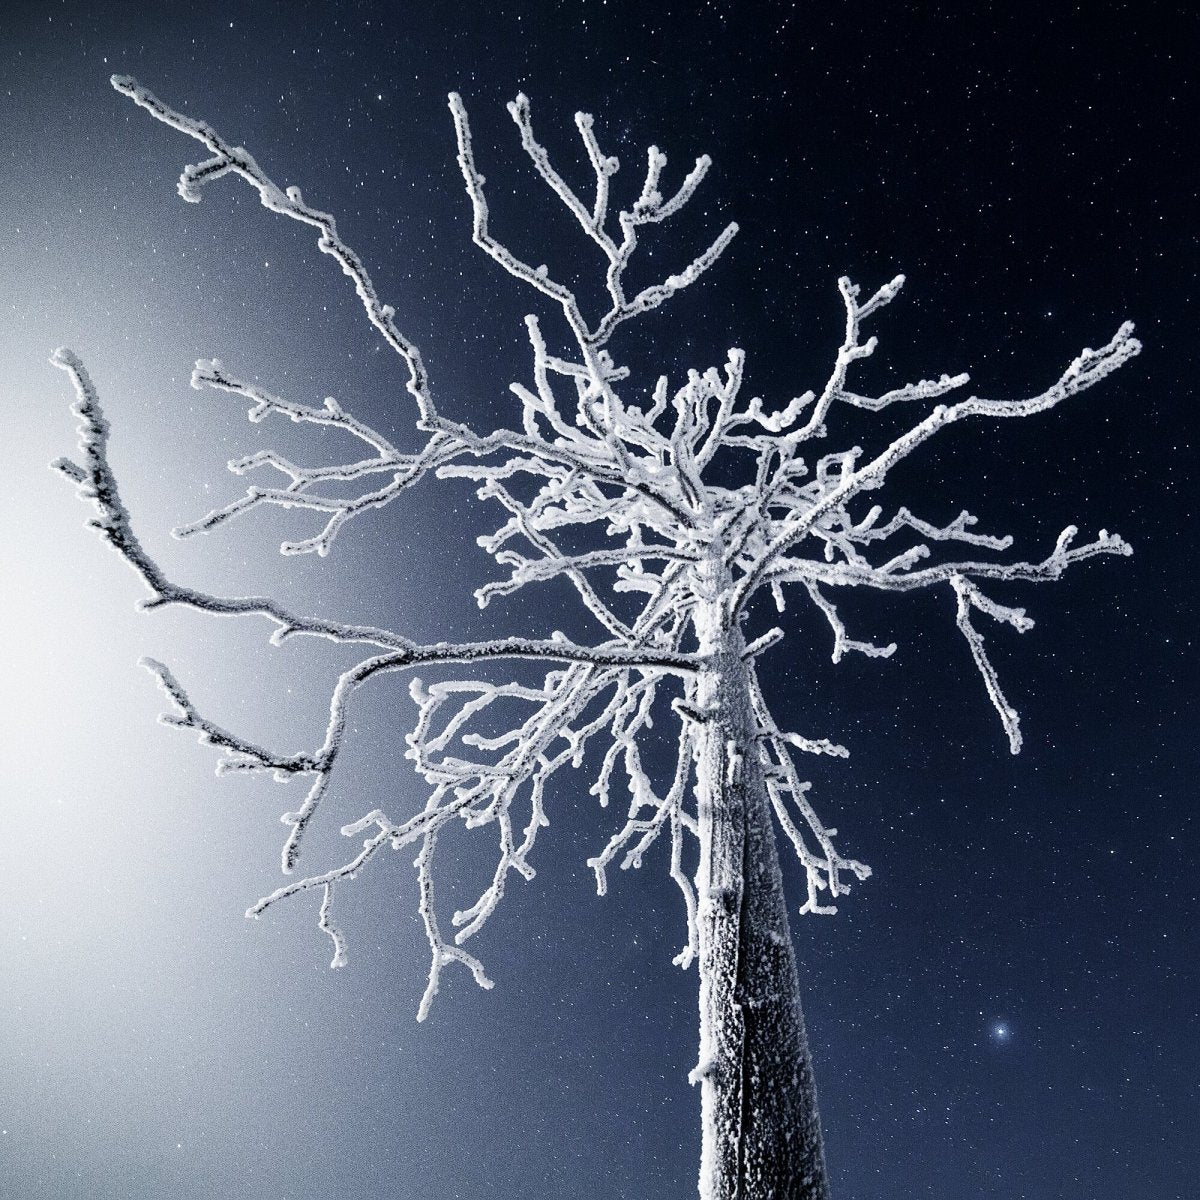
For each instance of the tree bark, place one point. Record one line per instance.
(760, 1126)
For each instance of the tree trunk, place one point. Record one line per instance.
(761, 1130)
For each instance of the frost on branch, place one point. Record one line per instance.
(639, 494)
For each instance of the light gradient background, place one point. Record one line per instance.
(1030, 169)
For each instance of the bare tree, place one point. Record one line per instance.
(613, 489)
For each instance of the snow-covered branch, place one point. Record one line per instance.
(824, 867)
(288, 202)
(667, 504)
(1087, 368)
(404, 469)
(650, 208)
(97, 483)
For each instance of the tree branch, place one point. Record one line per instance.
(289, 203)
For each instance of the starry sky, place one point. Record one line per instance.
(1008, 1008)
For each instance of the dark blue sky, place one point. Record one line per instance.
(1008, 1007)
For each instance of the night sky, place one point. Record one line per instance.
(1008, 1007)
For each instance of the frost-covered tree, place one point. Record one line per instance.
(669, 507)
